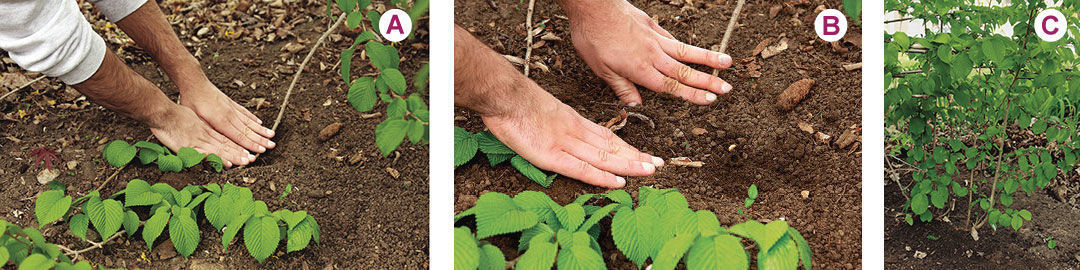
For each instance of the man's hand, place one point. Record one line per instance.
(624, 46)
(148, 27)
(529, 120)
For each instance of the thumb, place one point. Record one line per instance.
(624, 89)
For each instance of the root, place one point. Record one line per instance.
(529, 37)
(727, 33)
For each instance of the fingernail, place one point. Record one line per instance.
(725, 88)
(710, 97)
(260, 120)
(648, 166)
(269, 132)
(632, 104)
(244, 160)
(251, 157)
(725, 60)
(262, 149)
(272, 144)
(620, 180)
(657, 161)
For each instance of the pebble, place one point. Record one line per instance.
(329, 131)
(698, 131)
(47, 175)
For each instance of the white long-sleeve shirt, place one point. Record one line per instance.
(53, 37)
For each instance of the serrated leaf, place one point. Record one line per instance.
(154, 226)
(540, 256)
(131, 222)
(146, 156)
(395, 80)
(597, 216)
(620, 196)
(215, 162)
(300, 234)
(633, 232)
(496, 159)
(170, 163)
(36, 261)
(570, 216)
(465, 146)
(51, 206)
(354, 19)
(389, 134)
(107, 216)
(497, 214)
(782, 255)
(233, 228)
(530, 171)
(261, 236)
(346, 5)
(673, 251)
(373, 16)
(396, 109)
(804, 249)
(362, 94)
(184, 232)
(491, 258)
(189, 156)
(536, 202)
(383, 57)
(466, 252)
(79, 224)
(919, 203)
(719, 252)
(346, 64)
(118, 153)
(416, 131)
(489, 144)
(420, 79)
(580, 257)
(138, 193)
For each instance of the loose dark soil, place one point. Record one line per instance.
(369, 218)
(770, 150)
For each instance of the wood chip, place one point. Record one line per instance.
(393, 173)
(824, 138)
(846, 139)
(854, 66)
(775, 49)
(550, 37)
(761, 46)
(685, 162)
(329, 131)
(805, 127)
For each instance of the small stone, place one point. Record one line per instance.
(920, 254)
(47, 175)
(71, 165)
(698, 131)
(393, 173)
(249, 180)
(805, 194)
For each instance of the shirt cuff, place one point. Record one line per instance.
(116, 10)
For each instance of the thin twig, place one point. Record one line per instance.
(900, 20)
(727, 33)
(93, 245)
(299, 70)
(529, 37)
(21, 87)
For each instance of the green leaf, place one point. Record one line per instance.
(416, 131)
(497, 214)
(396, 109)
(673, 251)
(539, 256)
(489, 144)
(596, 216)
(346, 64)
(138, 193)
(362, 94)
(633, 232)
(853, 8)
(131, 222)
(395, 80)
(300, 234)
(51, 206)
(530, 171)
(189, 156)
(233, 228)
(496, 159)
(215, 162)
(154, 226)
(79, 224)
(752, 192)
(1017, 222)
(1039, 127)
(118, 153)
(491, 258)
(384, 57)
(261, 236)
(170, 163)
(354, 19)
(466, 253)
(570, 216)
(346, 5)
(36, 261)
(389, 134)
(782, 255)
(804, 249)
(184, 232)
(362, 37)
(919, 203)
(1025, 214)
(146, 156)
(107, 216)
(373, 16)
(420, 79)
(465, 146)
(719, 252)
(580, 257)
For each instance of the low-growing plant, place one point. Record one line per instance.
(229, 207)
(958, 102)
(406, 113)
(119, 153)
(751, 196)
(466, 144)
(661, 229)
(28, 249)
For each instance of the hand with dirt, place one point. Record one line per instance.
(536, 125)
(148, 27)
(624, 47)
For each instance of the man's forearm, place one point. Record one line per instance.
(482, 76)
(578, 10)
(148, 27)
(118, 88)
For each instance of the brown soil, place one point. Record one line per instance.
(770, 150)
(368, 218)
(1004, 249)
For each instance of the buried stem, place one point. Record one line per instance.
(727, 33)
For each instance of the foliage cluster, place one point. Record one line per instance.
(466, 144)
(958, 102)
(119, 153)
(661, 229)
(230, 207)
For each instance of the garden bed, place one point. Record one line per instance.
(770, 149)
